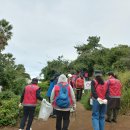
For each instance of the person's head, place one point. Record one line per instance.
(62, 78)
(34, 81)
(98, 77)
(111, 74)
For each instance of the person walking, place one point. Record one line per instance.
(63, 99)
(114, 97)
(79, 87)
(29, 101)
(99, 93)
(53, 82)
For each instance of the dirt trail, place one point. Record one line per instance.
(82, 121)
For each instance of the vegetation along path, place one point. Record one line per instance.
(80, 121)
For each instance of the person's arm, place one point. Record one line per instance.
(73, 96)
(38, 94)
(93, 90)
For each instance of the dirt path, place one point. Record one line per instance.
(82, 121)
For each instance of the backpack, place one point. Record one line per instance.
(80, 83)
(62, 100)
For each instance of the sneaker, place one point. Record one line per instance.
(113, 120)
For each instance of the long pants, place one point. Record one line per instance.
(79, 93)
(112, 114)
(98, 115)
(28, 112)
(62, 116)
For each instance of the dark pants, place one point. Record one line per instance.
(79, 93)
(62, 115)
(112, 114)
(28, 112)
(113, 107)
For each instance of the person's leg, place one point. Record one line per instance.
(102, 112)
(66, 120)
(95, 115)
(80, 93)
(109, 111)
(25, 116)
(58, 120)
(77, 94)
(115, 113)
(31, 116)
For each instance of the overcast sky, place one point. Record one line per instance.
(46, 29)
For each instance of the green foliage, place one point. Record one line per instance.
(44, 85)
(5, 33)
(8, 108)
(86, 100)
(55, 66)
(12, 76)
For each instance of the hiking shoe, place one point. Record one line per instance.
(53, 116)
(113, 120)
(109, 121)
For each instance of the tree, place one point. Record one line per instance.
(5, 33)
(93, 43)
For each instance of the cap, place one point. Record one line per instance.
(69, 75)
(97, 73)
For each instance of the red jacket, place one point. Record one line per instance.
(101, 90)
(30, 98)
(114, 87)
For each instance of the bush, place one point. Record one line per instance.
(8, 108)
(85, 100)
(44, 85)
(125, 98)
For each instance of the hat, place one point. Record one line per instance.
(34, 81)
(69, 75)
(97, 73)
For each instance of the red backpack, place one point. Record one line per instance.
(79, 83)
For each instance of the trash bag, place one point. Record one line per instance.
(45, 110)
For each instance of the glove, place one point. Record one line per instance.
(20, 105)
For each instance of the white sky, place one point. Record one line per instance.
(46, 29)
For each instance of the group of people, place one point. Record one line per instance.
(61, 94)
(106, 100)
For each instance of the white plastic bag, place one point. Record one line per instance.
(91, 101)
(45, 110)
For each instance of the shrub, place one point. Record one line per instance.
(8, 108)
(85, 100)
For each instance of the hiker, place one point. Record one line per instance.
(79, 87)
(114, 97)
(63, 99)
(69, 79)
(53, 82)
(29, 101)
(99, 93)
